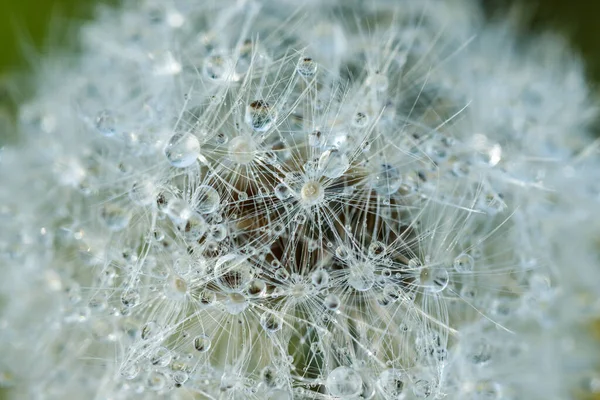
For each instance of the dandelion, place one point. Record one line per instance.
(260, 200)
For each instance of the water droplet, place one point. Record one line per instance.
(464, 263)
(361, 277)
(130, 371)
(161, 357)
(176, 287)
(278, 394)
(434, 280)
(316, 138)
(306, 67)
(218, 232)
(236, 303)
(150, 330)
(156, 381)
(143, 193)
(387, 180)
(194, 227)
(378, 81)
(260, 115)
(320, 278)
(242, 149)
(232, 273)
(333, 163)
(180, 377)
(206, 199)
(422, 389)
(207, 298)
(376, 250)
(282, 274)
(342, 252)
(270, 322)
(182, 150)
(130, 298)
(332, 301)
(106, 123)
(391, 383)
(256, 288)
(179, 211)
(360, 120)
(283, 192)
(202, 343)
(219, 67)
(115, 217)
(344, 382)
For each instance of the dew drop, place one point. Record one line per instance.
(130, 298)
(283, 192)
(256, 288)
(316, 138)
(270, 322)
(115, 217)
(202, 343)
(106, 122)
(434, 280)
(143, 193)
(194, 227)
(161, 357)
(387, 180)
(157, 381)
(232, 273)
(218, 232)
(360, 120)
(320, 278)
(391, 383)
(332, 302)
(219, 67)
(260, 115)
(344, 382)
(361, 277)
(306, 67)
(333, 163)
(182, 150)
(150, 330)
(129, 372)
(242, 149)
(376, 250)
(464, 263)
(235, 303)
(179, 211)
(378, 81)
(206, 199)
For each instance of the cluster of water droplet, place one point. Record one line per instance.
(244, 202)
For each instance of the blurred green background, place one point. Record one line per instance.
(24, 22)
(41, 23)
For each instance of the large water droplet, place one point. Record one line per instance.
(387, 180)
(306, 67)
(182, 150)
(391, 383)
(344, 382)
(270, 322)
(333, 163)
(232, 273)
(464, 263)
(202, 343)
(206, 199)
(115, 217)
